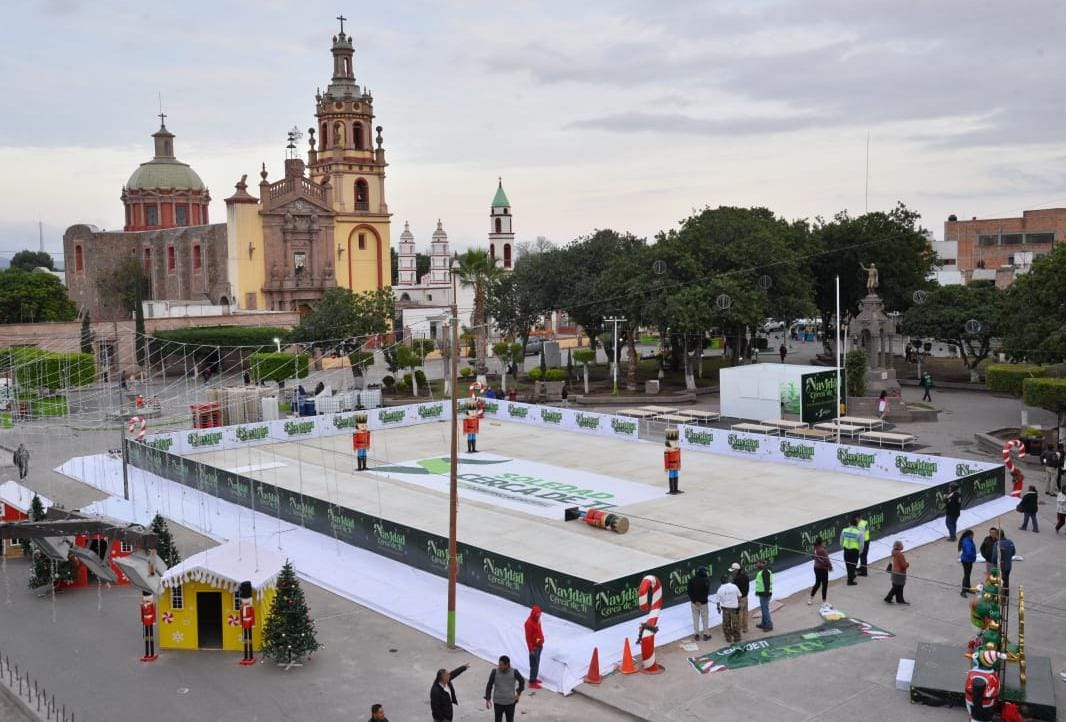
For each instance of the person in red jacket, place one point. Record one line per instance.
(148, 621)
(535, 642)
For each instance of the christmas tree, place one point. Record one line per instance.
(45, 570)
(289, 634)
(165, 548)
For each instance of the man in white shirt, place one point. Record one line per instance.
(728, 596)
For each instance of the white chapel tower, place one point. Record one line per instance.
(501, 234)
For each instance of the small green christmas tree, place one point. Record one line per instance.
(165, 548)
(44, 570)
(289, 634)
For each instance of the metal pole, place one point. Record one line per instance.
(453, 486)
(125, 463)
(838, 349)
(615, 351)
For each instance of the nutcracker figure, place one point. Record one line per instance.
(470, 428)
(361, 441)
(247, 622)
(148, 621)
(672, 460)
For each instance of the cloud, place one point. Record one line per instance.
(687, 124)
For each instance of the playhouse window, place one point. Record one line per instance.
(237, 601)
(177, 598)
(126, 547)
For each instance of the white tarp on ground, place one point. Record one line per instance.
(488, 626)
(527, 486)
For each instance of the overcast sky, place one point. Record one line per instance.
(597, 114)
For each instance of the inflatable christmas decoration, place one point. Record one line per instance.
(1010, 449)
(599, 519)
(672, 460)
(471, 424)
(361, 441)
(651, 601)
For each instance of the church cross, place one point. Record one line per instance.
(342, 19)
(162, 118)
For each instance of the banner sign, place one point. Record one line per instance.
(818, 396)
(589, 422)
(539, 489)
(832, 635)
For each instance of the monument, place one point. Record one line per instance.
(871, 330)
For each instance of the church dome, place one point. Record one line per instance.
(161, 173)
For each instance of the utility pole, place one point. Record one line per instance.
(615, 350)
(125, 463)
(453, 485)
(836, 351)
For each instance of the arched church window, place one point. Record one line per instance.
(338, 134)
(167, 148)
(323, 141)
(362, 195)
(492, 250)
(405, 298)
(79, 260)
(499, 226)
(151, 215)
(506, 255)
(357, 135)
(362, 241)
(148, 261)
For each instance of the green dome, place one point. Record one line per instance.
(164, 173)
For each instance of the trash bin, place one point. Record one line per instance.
(307, 406)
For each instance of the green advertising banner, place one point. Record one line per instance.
(818, 396)
(831, 635)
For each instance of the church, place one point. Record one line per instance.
(319, 224)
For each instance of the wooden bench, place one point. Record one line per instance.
(705, 417)
(849, 430)
(887, 437)
(755, 428)
(868, 421)
(636, 413)
(784, 424)
(811, 434)
(659, 409)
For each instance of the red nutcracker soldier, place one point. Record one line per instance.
(470, 427)
(361, 441)
(247, 622)
(148, 621)
(672, 460)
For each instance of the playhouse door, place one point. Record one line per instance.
(209, 620)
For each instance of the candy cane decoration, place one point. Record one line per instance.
(143, 429)
(476, 389)
(651, 601)
(1014, 446)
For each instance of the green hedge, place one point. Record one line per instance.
(38, 369)
(49, 406)
(555, 375)
(1008, 378)
(536, 373)
(278, 366)
(262, 336)
(1044, 393)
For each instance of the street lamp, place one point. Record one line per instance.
(278, 342)
(453, 483)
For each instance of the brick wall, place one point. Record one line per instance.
(1004, 238)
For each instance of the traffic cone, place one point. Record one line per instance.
(628, 666)
(593, 675)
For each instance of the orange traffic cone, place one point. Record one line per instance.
(593, 675)
(628, 667)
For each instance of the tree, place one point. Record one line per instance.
(343, 315)
(894, 241)
(123, 292)
(1048, 394)
(30, 260)
(946, 315)
(524, 249)
(44, 570)
(86, 334)
(165, 548)
(855, 364)
(1034, 309)
(478, 271)
(289, 634)
(519, 299)
(278, 367)
(509, 354)
(585, 356)
(409, 357)
(30, 297)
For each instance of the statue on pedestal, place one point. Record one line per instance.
(871, 278)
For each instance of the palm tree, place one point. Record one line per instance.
(478, 270)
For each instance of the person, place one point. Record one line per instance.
(1028, 506)
(740, 578)
(565, 393)
(442, 694)
(699, 589)
(988, 549)
(783, 350)
(882, 405)
(489, 393)
(1062, 465)
(764, 583)
(377, 713)
(535, 643)
(1060, 510)
(927, 385)
(898, 567)
(248, 382)
(952, 509)
(864, 553)
(728, 597)
(319, 387)
(503, 690)
(21, 459)
(122, 380)
(851, 541)
(512, 395)
(1006, 552)
(1050, 460)
(822, 566)
(967, 555)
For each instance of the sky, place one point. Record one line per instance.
(596, 114)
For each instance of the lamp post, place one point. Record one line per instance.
(278, 342)
(453, 485)
(614, 351)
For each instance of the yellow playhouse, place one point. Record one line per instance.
(199, 607)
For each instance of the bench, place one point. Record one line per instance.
(810, 434)
(755, 428)
(784, 424)
(636, 413)
(887, 437)
(659, 409)
(704, 416)
(673, 418)
(849, 430)
(868, 421)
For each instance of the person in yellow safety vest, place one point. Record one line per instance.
(864, 526)
(851, 541)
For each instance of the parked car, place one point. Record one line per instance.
(769, 325)
(534, 346)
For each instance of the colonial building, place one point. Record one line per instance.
(326, 222)
(997, 249)
(424, 303)
(164, 192)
